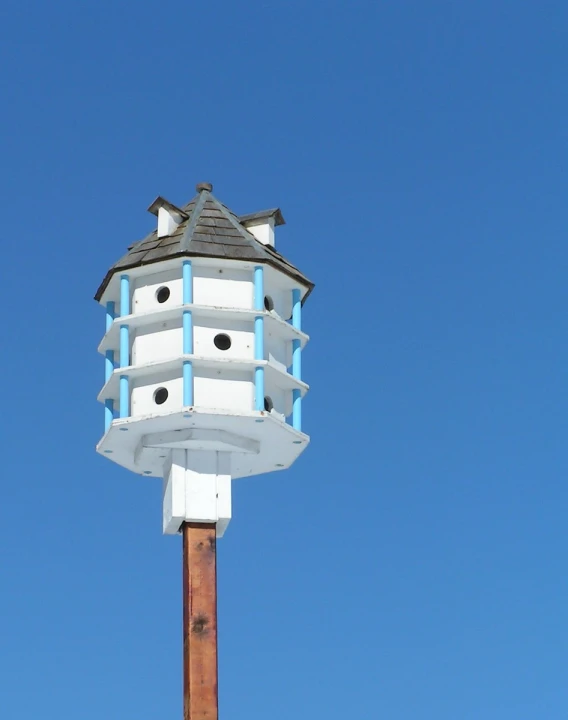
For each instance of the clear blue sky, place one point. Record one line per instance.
(412, 564)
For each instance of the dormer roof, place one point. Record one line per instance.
(256, 217)
(161, 202)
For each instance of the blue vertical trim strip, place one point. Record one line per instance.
(297, 359)
(109, 413)
(297, 410)
(259, 371)
(124, 393)
(124, 295)
(187, 384)
(297, 309)
(259, 337)
(187, 333)
(187, 276)
(259, 288)
(109, 365)
(124, 346)
(187, 297)
(124, 396)
(109, 315)
(259, 388)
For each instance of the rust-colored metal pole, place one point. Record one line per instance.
(200, 697)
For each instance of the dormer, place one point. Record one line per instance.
(261, 224)
(169, 216)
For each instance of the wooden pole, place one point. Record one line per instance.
(200, 697)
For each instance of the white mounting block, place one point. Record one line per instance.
(197, 488)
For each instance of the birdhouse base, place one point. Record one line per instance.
(250, 443)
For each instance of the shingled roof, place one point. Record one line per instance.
(209, 230)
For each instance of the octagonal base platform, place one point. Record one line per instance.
(254, 442)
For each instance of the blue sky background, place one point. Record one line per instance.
(412, 564)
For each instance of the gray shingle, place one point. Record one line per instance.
(161, 253)
(226, 232)
(146, 245)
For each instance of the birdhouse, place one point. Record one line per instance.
(202, 351)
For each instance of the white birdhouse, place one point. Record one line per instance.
(203, 356)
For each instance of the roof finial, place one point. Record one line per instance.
(204, 187)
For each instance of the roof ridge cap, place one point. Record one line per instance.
(233, 219)
(193, 218)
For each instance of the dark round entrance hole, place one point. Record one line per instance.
(163, 294)
(222, 341)
(160, 396)
(268, 303)
(268, 404)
